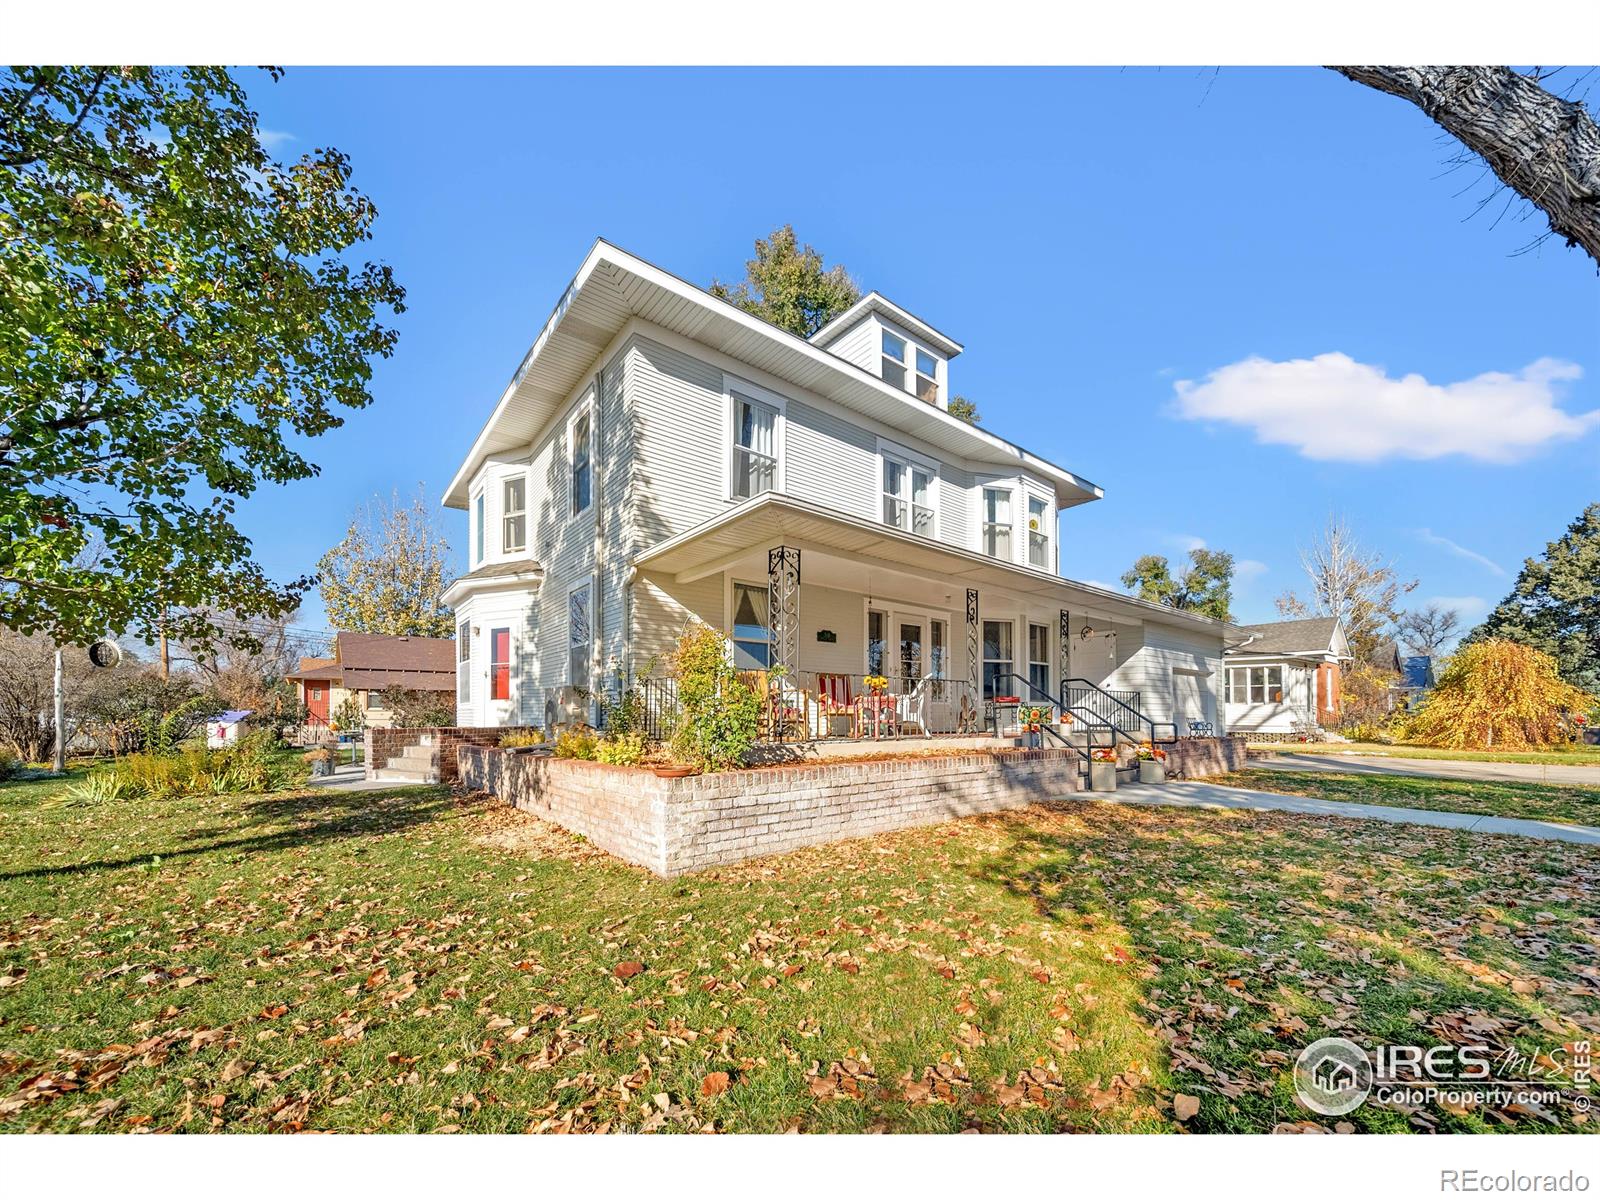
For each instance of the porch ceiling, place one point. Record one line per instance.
(771, 519)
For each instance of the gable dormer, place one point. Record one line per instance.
(884, 339)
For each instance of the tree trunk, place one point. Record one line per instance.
(1544, 148)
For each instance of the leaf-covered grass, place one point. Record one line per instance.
(408, 961)
(1576, 756)
(1490, 797)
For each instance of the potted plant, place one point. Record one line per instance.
(1103, 769)
(320, 760)
(876, 684)
(1152, 764)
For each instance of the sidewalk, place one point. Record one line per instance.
(1196, 794)
(1438, 768)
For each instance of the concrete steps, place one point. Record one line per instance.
(414, 764)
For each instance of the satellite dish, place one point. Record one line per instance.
(105, 653)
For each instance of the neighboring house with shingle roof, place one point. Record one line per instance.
(1283, 677)
(363, 664)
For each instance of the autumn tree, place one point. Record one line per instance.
(1499, 694)
(1350, 582)
(1428, 630)
(1205, 586)
(248, 670)
(181, 312)
(786, 283)
(1555, 604)
(1543, 147)
(389, 572)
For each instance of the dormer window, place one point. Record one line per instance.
(894, 360)
(927, 378)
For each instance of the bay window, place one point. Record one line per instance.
(477, 532)
(464, 662)
(997, 522)
(514, 516)
(1038, 533)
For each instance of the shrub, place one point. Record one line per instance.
(719, 712)
(411, 709)
(622, 750)
(521, 737)
(1498, 694)
(10, 764)
(102, 787)
(245, 766)
(349, 717)
(577, 743)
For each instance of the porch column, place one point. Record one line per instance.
(974, 658)
(1065, 650)
(783, 608)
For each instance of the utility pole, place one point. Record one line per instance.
(60, 763)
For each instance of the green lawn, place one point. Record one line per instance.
(1578, 756)
(408, 961)
(1495, 798)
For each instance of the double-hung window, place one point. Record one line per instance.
(997, 659)
(1039, 658)
(997, 522)
(514, 515)
(1038, 532)
(582, 461)
(464, 662)
(477, 532)
(580, 634)
(755, 447)
(894, 360)
(752, 638)
(876, 624)
(907, 496)
(927, 377)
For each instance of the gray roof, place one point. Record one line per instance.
(1290, 637)
(517, 566)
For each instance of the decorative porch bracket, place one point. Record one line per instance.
(783, 608)
(974, 662)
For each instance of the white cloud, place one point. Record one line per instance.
(1461, 551)
(1335, 409)
(273, 139)
(1186, 541)
(1471, 608)
(1248, 570)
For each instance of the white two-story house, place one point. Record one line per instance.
(660, 456)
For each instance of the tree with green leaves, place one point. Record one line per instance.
(180, 312)
(963, 409)
(1555, 604)
(1205, 586)
(786, 283)
(389, 571)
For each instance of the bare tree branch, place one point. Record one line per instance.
(1544, 148)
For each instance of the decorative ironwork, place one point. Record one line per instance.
(1066, 644)
(783, 608)
(974, 661)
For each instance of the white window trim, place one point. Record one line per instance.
(1049, 531)
(908, 457)
(586, 581)
(477, 525)
(505, 550)
(584, 407)
(464, 665)
(732, 384)
(728, 584)
(913, 343)
(1007, 483)
(487, 625)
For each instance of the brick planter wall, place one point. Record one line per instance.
(673, 826)
(384, 744)
(1195, 758)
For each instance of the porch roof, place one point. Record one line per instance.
(772, 519)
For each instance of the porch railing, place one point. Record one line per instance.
(1120, 710)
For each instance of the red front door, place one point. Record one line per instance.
(317, 701)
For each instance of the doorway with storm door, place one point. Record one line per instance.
(923, 665)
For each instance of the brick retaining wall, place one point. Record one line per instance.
(1195, 758)
(673, 826)
(384, 744)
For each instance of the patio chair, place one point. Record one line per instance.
(835, 700)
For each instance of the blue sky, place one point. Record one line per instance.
(1113, 247)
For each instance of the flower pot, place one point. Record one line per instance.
(1152, 771)
(1102, 777)
(320, 767)
(675, 771)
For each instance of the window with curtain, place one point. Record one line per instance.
(580, 635)
(1038, 532)
(500, 664)
(752, 638)
(907, 496)
(514, 516)
(755, 448)
(582, 466)
(1039, 657)
(998, 660)
(997, 522)
(464, 662)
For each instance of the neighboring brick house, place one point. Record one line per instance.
(363, 664)
(1283, 679)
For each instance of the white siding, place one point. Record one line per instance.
(1163, 649)
(858, 344)
(832, 462)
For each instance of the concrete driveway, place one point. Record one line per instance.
(1437, 768)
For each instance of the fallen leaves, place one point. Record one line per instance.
(627, 970)
(1185, 1107)
(714, 1084)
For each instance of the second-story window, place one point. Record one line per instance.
(755, 448)
(997, 522)
(894, 360)
(1038, 533)
(927, 378)
(514, 516)
(582, 468)
(478, 534)
(907, 496)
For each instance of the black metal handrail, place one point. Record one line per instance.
(1113, 706)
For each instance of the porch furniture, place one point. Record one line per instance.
(836, 704)
(878, 713)
(1001, 705)
(967, 718)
